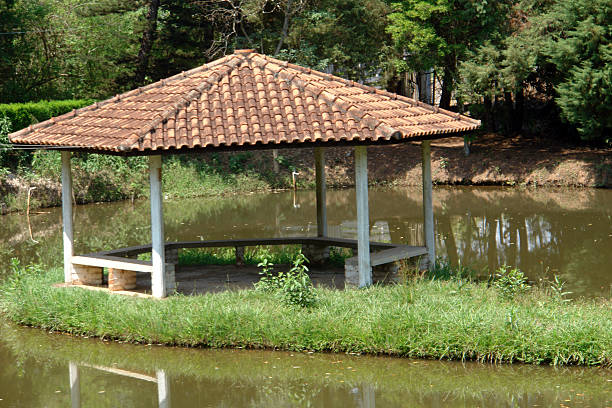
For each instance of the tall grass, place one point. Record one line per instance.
(277, 255)
(422, 318)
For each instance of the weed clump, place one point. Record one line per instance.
(293, 287)
(510, 281)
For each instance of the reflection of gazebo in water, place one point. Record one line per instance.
(244, 101)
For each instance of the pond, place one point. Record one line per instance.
(52, 370)
(544, 232)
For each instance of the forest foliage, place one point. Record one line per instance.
(541, 66)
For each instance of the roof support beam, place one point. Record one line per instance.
(67, 216)
(428, 217)
(158, 276)
(319, 155)
(363, 219)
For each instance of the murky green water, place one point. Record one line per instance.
(544, 232)
(38, 370)
(568, 233)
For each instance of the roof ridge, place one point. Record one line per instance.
(184, 100)
(358, 114)
(118, 97)
(368, 88)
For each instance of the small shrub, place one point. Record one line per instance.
(510, 281)
(237, 162)
(338, 255)
(293, 287)
(443, 270)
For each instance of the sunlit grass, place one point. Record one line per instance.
(421, 318)
(277, 255)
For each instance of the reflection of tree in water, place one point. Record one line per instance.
(541, 243)
(566, 231)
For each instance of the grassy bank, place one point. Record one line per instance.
(99, 178)
(422, 318)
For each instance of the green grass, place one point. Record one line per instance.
(421, 318)
(277, 255)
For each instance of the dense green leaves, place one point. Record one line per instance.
(582, 51)
(490, 54)
(16, 116)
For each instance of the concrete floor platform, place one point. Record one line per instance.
(200, 279)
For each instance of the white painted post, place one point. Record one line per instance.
(163, 389)
(363, 220)
(75, 385)
(158, 276)
(319, 154)
(428, 217)
(67, 216)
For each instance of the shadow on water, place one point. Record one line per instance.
(52, 370)
(544, 232)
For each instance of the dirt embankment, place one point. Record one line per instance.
(493, 160)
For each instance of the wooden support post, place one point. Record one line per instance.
(428, 217)
(363, 220)
(67, 216)
(75, 385)
(319, 154)
(158, 276)
(163, 389)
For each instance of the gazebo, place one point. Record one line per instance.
(243, 101)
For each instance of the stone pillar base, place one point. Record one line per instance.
(351, 274)
(386, 273)
(239, 255)
(171, 256)
(86, 275)
(119, 279)
(316, 254)
(170, 278)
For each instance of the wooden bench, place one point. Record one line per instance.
(390, 255)
(122, 267)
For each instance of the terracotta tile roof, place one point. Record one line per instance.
(245, 99)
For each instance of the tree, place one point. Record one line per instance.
(439, 34)
(581, 50)
(146, 43)
(561, 52)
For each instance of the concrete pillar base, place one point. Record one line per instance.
(170, 278)
(316, 254)
(171, 256)
(86, 275)
(351, 275)
(119, 279)
(386, 273)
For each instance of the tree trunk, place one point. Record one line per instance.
(488, 114)
(519, 110)
(285, 29)
(509, 108)
(447, 88)
(146, 43)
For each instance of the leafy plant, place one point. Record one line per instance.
(557, 288)
(510, 281)
(293, 287)
(237, 162)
